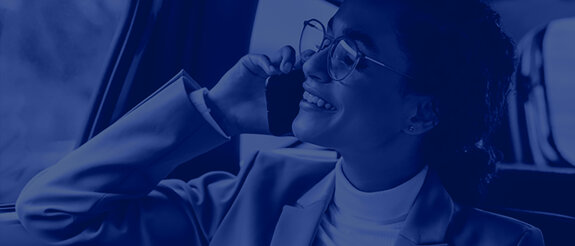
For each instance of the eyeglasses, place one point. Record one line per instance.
(343, 55)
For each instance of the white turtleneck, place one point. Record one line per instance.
(355, 217)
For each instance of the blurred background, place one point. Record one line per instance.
(52, 58)
(68, 69)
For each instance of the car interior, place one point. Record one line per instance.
(159, 39)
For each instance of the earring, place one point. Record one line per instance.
(411, 128)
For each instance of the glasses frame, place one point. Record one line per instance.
(333, 44)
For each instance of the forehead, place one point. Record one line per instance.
(374, 19)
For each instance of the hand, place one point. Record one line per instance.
(240, 94)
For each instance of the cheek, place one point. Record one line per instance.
(373, 126)
(367, 115)
(366, 121)
(373, 112)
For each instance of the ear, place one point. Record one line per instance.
(422, 115)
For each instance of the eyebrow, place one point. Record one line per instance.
(355, 35)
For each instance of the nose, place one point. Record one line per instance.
(315, 67)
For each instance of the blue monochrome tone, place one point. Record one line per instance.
(287, 122)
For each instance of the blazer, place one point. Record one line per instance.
(111, 191)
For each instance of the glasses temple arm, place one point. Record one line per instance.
(388, 67)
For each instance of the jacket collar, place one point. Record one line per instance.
(426, 223)
(429, 218)
(298, 223)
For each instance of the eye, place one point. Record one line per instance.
(347, 60)
(346, 53)
(362, 64)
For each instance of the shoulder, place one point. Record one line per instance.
(286, 173)
(487, 228)
(317, 155)
(295, 161)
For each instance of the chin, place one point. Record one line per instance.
(308, 131)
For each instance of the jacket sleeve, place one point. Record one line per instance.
(109, 191)
(531, 237)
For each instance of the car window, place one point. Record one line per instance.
(52, 58)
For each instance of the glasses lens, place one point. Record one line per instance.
(311, 39)
(343, 59)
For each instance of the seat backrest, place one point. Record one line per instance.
(548, 191)
(541, 114)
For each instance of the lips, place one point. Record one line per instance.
(315, 100)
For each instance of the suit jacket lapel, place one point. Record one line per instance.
(426, 224)
(429, 218)
(298, 223)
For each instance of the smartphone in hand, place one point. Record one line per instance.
(283, 94)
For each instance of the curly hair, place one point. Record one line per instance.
(462, 59)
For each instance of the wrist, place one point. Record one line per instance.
(218, 112)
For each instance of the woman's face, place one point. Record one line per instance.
(370, 111)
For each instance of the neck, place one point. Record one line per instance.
(381, 168)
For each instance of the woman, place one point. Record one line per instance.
(404, 91)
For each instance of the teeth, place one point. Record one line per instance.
(317, 101)
(314, 99)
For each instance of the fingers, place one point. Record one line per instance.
(284, 59)
(260, 65)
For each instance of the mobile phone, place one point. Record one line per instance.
(283, 94)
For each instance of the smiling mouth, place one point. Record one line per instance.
(318, 102)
